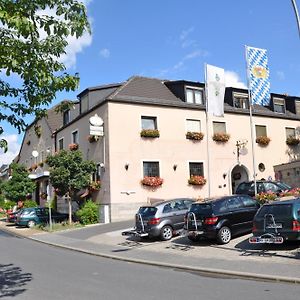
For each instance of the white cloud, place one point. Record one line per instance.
(105, 53)
(13, 149)
(184, 38)
(184, 33)
(280, 75)
(232, 79)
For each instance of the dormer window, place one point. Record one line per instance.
(66, 117)
(194, 95)
(84, 104)
(240, 100)
(279, 105)
(297, 106)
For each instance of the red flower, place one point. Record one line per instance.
(153, 181)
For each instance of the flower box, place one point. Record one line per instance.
(263, 140)
(92, 138)
(266, 197)
(221, 137)
(197, 180)
(150, 133)
(153, 181)
(292, 141)
(95, 186)
(73, 146)
(196, 136)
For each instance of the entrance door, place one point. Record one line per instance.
(238, 174)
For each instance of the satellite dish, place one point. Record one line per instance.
(96, 121)
(35, 153)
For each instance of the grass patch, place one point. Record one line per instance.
(58, 226)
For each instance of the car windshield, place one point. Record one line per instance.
(147, 211)
(282, 210)
(201, 209)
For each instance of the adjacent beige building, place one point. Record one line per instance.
(169, 110)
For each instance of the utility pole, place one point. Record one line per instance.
(297, 15)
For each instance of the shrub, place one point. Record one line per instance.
(29, 203)
(89, 213)
(7, 204)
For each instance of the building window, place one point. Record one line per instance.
(66, 117)
(194, 95)
(196, 169)
(260, 130)
(290, 132)
(151, 168)
(219, 127)
(75, 137)
(193, 125)
(149, 123)
(279, 105)
(240, 100)
(60, 144)
(84, 104)
(96, 176)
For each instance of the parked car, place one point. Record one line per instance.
(163, 219)
(262, 186)
(277, 222)
(36, 215)
(221, 218)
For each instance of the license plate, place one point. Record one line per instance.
(266, 240)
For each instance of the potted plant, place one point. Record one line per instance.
(150, 133)
(153, 181)
(266, 197)
(197, 180)
(221, 137)
(95, 186)
(73, 146)
(92, 138)
(196, 136)
(263, 140)
(292, 141)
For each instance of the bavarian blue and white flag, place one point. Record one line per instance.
(258, 75)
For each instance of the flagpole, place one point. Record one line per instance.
(251, 125)
(297, 15)
(207, 132)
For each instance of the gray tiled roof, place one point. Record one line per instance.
(142, 88)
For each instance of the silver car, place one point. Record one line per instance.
(163, 219)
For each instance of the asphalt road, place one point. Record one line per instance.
(30, 270)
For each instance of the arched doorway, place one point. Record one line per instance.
(238, 174)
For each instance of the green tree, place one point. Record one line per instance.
(69, 173)
(33, 35)
(19, 185)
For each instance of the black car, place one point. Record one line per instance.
(277, 222)
(262, 186)
(220, 218)
(163, 219)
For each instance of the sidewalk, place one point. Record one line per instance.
(238, 258)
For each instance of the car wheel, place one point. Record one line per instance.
(224, 235)
(31, 224)
(166, 233)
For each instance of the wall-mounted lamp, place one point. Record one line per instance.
(174, 167)
(224, 175)
(126, 166)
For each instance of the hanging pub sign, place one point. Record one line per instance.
(96, 126)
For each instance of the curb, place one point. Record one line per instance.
(203, 271)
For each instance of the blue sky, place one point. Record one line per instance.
(173, 39)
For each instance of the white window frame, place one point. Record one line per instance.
(260, 126)
(58, 143)
(291, 128)
(190, 119)
(148, 116)
(242, 97)
(72, 136)
(198, 162)
(225, 124)
(280, 102)
(151, 160)
(195, 88)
